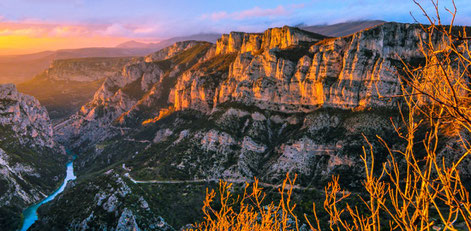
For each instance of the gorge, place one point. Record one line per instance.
(30, 214)
(160, 129)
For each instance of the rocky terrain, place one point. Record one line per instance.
(284, 70)
(251, 105)
(20, 68)
(70, 83)
(31, 163)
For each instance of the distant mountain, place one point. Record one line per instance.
(70, 83)
(212, 38)
(135, 44)
(342, 29)
(19, 68)
(101, 52)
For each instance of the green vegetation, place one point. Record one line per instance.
(190, 56)
(49, 163)
(294, 53)
(134, 89)
(219, 63)
(179, 204)
(182, 61)
(61, 98)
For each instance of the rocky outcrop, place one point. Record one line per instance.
(70, 83)
(107, 195)
(283, 69)
(170, 51)
(253, 105)
(272, 38)
(31, 163)
(139, 87)
(358, 71)
(85, 69)
(26, 118)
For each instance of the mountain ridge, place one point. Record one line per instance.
(252, 105)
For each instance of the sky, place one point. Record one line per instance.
(35, 25)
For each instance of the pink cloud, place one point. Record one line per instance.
(115, 30)
(255, 12)
(259, 12)
(217, 15)
(37, 28)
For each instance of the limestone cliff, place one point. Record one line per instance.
(26, 118)
(252, 105)
(143, 83)
(272, 38)
(348, 72)
(31, 164)
(85, 69)
(283, 69)
(70, 83)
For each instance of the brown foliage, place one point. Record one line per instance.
(410, 193)
(252, 212)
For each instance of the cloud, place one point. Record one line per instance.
(256, 12)
(131, 30)
(37, 28)
(115, 30)
(259, 12)
(20, 32)
(217, 15)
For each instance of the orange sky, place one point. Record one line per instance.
(36, 25)
(21, 44)
(29, 37)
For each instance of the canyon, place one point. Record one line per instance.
(159, 129)
(31, 162)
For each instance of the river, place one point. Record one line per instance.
(31, 213)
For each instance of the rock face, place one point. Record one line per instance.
(141, 85)
(108, 196)
(85, 69)
(252, 105)
(346, 72)
(285, 70)
(70, 83)
(272, 38)
(27, 119)
(31, 164)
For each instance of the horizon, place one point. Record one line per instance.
(235, 115)
(84, 23)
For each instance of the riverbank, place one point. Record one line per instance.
(31, 213)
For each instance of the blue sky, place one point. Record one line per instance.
(153, 20)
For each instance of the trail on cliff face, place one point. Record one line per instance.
(251, 105)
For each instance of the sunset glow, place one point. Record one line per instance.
(19, 38)
(33, 25)
(16, 44)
